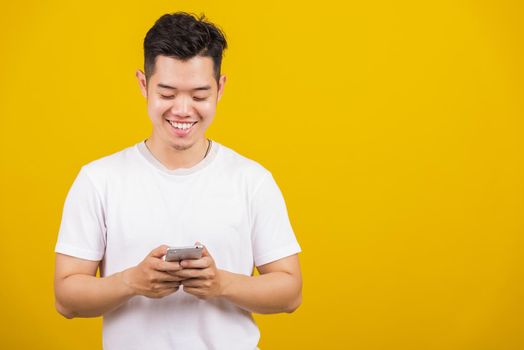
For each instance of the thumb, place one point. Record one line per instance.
(205, 252)
(159, 252)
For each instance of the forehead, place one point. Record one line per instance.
(183, 74)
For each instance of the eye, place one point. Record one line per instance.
(199, 98)
(167, 97)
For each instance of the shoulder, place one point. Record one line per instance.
(242, 165)
(112, 165)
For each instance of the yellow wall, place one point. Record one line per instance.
(394, 129)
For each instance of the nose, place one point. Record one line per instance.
(182, 106)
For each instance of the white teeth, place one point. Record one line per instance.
(182, 126)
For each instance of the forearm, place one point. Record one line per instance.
(89, 296)
(269, 293)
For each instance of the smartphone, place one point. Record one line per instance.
(184, 253)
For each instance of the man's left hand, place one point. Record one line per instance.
(201, 276)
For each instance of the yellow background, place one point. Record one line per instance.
(394, 129)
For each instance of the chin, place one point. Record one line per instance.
(182, 146)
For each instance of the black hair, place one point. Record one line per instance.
(183, 36)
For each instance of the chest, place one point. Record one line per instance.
(144, 215)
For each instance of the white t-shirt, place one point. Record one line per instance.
(124, 205)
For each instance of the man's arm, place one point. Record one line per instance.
(278, 288)
(79, 293)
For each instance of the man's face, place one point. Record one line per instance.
(181, 100)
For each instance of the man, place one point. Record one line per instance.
(177, 188)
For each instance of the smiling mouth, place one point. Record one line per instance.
(181, 126)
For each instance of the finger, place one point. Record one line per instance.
(167, 277)
(201, 263)
(190, 273)
(168, 266)
(164, 292)
(196, 292)
(159, 252)
(205, 252)
(171, 285)
(192, 282)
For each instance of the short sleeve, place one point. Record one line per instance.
(272, 235)
(82, 230)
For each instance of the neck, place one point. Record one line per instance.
(174, 159)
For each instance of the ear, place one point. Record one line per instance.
(221, 83)
(142, 82)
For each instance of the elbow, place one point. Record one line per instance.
(295, 304)
(64, 311)
(297, 300)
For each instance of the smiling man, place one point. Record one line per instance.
(177, 188)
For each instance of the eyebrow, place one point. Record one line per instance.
(206, 87)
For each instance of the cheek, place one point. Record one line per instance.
(157, 107)
(206, 109)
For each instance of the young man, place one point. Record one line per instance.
(177, 188)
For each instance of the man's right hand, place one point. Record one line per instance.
(152, 278)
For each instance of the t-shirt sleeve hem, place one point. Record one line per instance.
(277, 254)
(81, 253)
